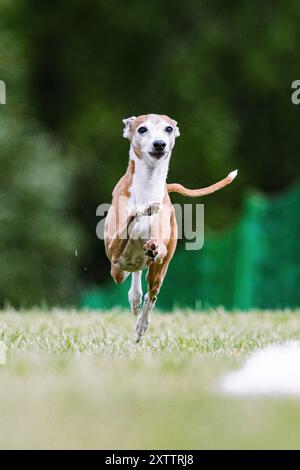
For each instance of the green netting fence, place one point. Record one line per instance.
(255, 264)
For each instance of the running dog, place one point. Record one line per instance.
(140, 227)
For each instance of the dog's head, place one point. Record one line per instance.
(152, 136)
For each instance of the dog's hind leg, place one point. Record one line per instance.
(118, 274)
(144, 318)
(135, 294)
(155, 279)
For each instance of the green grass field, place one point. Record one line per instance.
(78, 380)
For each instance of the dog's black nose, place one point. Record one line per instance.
(159, 145)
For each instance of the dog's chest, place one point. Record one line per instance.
(148, 185)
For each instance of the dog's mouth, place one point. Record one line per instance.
(157, 155)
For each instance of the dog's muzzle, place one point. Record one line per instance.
(157, 155)
(158, 149)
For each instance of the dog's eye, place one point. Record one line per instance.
(169, 129)
(142, 130)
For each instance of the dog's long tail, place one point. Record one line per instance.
(178, 188)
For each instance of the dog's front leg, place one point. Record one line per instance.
(121, 238)
(160, 233)
(135, 294)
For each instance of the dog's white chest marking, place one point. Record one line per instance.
(148, 183)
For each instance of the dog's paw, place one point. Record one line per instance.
(135, 303)
(148, 209)
(152, 251)
(141, 327)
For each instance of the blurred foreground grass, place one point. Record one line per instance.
(78, 380)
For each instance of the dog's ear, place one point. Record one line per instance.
(127, 129)
(177, 132)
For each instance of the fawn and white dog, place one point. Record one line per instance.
(140, 227)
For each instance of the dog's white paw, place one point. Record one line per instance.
(148, 209)
(151, 249)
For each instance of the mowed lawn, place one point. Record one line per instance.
(78, 380)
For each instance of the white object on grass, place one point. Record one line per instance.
(274, 370)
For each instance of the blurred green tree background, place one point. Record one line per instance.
(73, 69)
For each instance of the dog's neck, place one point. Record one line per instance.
(148, 182)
